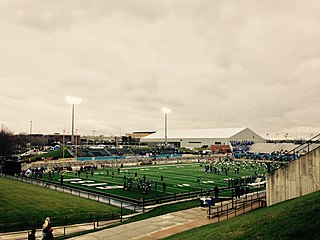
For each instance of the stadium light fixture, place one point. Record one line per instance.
(73, 101)
(166, 111)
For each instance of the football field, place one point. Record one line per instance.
(148, 181)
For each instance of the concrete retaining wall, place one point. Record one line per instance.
(298, 178)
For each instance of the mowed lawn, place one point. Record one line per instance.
(293, 219)
(179, 178)
(27, 203)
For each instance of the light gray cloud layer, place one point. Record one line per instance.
(215, 63)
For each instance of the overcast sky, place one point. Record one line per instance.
(216, 64)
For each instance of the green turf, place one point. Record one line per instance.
(294, 219)
(22, 205)
(174, 176)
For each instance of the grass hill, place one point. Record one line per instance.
(22, 206)
(52, 154)
(293, 219)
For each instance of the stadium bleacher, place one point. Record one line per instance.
(272, 151)
(125, 151)
(272, 147)
(84, 153)
(241, 146)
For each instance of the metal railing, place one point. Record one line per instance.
(115, 200)
(59, 230)
(305, 147)
(95, 220)
(128, 203)
(225, 193)
(236, 206)
(297, 152)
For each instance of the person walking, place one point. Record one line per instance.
(198, 180)
(216, 192)
(47, 230)
(32, 235)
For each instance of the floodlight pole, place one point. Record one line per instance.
(166, 111)
(63, 142)
(166, 128)
(72, 125)
(73, 101)
(76, 147)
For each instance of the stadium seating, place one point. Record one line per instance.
(241, 146)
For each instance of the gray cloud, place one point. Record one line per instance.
(216, 64)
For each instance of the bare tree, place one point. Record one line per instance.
(6, 144)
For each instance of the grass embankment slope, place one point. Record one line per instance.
(22, 202)
(53, 154)
(294, 219)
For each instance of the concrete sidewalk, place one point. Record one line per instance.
(161, 226)
(153, 228)
(149, 229)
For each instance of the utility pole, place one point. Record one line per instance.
(63, 143)
(30, 127)
(76, 142)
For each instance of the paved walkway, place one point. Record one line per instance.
(153, 228)
(161, 226)
(149, 229)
